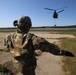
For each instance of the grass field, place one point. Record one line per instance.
(70, 45)
(69, 62)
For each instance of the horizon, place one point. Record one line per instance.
(43, 26)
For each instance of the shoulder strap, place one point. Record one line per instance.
(26, 38)
(24, 41)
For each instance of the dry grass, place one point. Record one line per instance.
(70, 62)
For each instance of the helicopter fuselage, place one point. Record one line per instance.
(55, 15)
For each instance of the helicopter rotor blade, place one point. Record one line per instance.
(49, 9)
(60, 11)
(49, 12)
(62, 7)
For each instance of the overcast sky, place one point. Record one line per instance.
(12, 9)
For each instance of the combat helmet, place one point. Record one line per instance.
(23, 21)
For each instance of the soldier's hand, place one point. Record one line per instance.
(69, 54)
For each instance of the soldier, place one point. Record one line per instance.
(22, 46)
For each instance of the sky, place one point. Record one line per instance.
(10, 10)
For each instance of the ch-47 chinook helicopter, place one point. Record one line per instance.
(55, 13)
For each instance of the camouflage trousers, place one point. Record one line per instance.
(16, 67)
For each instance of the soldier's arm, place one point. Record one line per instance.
(45, 46)
(8, 42)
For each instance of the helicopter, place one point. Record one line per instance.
(55, 13)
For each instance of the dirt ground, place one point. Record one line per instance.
(47, 64)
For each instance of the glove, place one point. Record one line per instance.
(69, 54)
(66, 53)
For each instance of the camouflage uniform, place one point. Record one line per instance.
(23, 46)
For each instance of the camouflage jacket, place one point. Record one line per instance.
(21, 44)
(19, 41)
